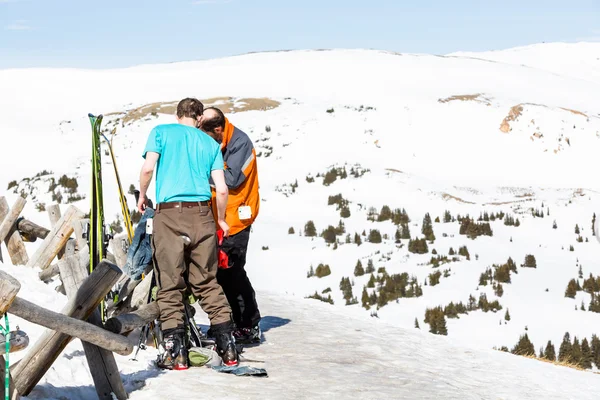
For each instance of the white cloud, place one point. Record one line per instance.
(197, 2)
(20, 25)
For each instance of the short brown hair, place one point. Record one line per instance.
(190, 107)
(218, 121)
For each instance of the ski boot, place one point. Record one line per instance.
(226, 348)
(175, 354)
(247, 335)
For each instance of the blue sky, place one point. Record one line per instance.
(119, 33)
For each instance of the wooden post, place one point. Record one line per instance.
(55, 240)
(102, 364)
(125, 323)
(9, 287)
(31, 231)
(14, 241)
(11, 218)
(40, 357)
(78, 226)
(70, 326)
(116, 245)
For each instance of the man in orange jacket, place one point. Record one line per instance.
(243, 204)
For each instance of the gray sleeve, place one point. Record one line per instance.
(238, 158)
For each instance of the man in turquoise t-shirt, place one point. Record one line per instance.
(184, 237)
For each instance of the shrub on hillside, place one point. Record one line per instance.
(322, 270)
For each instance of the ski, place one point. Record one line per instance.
(96, 234)
(122, 199)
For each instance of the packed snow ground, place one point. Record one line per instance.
(311, 351)
(423, 154)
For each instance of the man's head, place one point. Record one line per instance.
(189, 110)
(212, 122)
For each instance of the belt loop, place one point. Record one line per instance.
(180, 207)
(199, 206)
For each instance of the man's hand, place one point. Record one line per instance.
(224, 227)
(141, 205)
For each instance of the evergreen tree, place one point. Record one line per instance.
(594, 225)
(329, 234)
(571, 290)
(524, 347)
(365, 299)
(549, 352)
(554, 226)
(291, 230)
(345, 212)
(565, 349)
(595, 350)
(398, 235)
(374, 236)
(359, 270)
(405, 231)
(447, 216)
(576, 229)
(385, 214)
(507, 315)
(370, 267)
(417, 323)
(309, 229)
(427, 228)
(576, 353)
(371, 283)
(530, 261)
(451, 252)
(586, 355)
(357, 239)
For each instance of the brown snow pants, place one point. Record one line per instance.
(184, 244)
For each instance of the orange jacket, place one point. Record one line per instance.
(241, 176)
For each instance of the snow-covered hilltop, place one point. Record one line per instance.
(365, 145)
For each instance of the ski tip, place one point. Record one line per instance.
(91, 115)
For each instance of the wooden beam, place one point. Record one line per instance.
(14, 241)
(68, 326)
(11, 218)
(101, 362)
(32, 367)
(55, 240)
(49, 273)
(9, 287)
(125, 323)
(31, 231)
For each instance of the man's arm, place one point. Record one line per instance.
(222, 194)
(146, 177)
(239, 157)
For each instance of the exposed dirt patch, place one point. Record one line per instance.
(574, 112)
(226, 104)
(478, 97)
(447, 196)
(514, 113)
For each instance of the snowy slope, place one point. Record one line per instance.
(311, 351)
(427, 130)
(576, 60)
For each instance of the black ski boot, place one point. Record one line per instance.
(247, 335)
(175, 354)
(225, 342)
(226, 348)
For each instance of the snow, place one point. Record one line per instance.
(423, 155)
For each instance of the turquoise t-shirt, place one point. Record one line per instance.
(187, 157)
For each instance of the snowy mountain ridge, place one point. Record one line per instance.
(349, 132)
